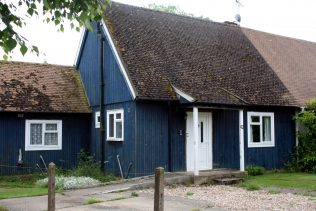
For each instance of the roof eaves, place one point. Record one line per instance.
(118, 59)
(183, 94)
(80, 47)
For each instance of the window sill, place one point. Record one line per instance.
(257, 145)
(113, 139)
(41, 148)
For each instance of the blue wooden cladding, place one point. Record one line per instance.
(277, 156)
(75, 136)
(116, 89)
(145, 143)
(226, 139)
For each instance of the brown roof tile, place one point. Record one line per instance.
(31, 87)
(293, 60)
(212, 62)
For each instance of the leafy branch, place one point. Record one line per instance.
(78, 12)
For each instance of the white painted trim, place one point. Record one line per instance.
(261, 143)
(114, 112)
(241, 141)
(210, 135)
(183, 94)
(79, 45)
(29, 147)
(196, 139)
(118, 58)
(96, 117)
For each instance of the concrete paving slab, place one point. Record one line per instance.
(74, 199)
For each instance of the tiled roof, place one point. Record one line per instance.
(30, 87)
(293, 60)
(212, 62)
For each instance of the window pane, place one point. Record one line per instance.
(51, 126)
(202, 132)
(255, 133)
(36, 134)
(111, 125)
(255, 119)
(118, 129)
(51, 139)
(266, 128)
(118, 116)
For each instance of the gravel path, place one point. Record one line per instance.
(234, 198)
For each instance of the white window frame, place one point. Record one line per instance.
(114, 112)
(29, 147)
(96, 122)
(249, 123)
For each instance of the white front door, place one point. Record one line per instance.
(205, 154)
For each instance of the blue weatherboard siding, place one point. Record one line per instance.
(89, 68)
(226, 139)
(273, 157)
(145, 139)
(178, 135)
(116, 89)
(75, 136)
(117, 95)
(125, 148)
(151, 140)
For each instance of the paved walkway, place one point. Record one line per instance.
(113, 197)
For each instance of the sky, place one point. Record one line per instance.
(291, 18)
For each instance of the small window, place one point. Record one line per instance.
(97, 119)
(115, 125)
(260, 129)
(43, 135)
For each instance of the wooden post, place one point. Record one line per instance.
(159, 189)
(51, 187)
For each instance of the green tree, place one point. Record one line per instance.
(174, 10)
(306, 150)
(12, 17)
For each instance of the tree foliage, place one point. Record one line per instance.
(306, 150)
(78, 12)
(174, 10)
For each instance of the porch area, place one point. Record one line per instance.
(214, 176)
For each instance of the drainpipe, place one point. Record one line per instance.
(101, 67)
(169, 137)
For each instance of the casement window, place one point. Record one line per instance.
(97, 119)
(115, 125)
(260, 129)
(43, 135)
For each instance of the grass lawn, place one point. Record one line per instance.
(7, 193)
(20, 186)
(303, 181)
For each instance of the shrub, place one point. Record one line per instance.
(305, 153)
(255, 170)
(89, 167)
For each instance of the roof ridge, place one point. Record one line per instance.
(36, 63)
(178, 15)
(279, 35)
(211, 21)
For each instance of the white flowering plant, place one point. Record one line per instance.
(72, 182)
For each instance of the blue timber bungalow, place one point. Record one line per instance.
(43, 113)
(188, 94)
